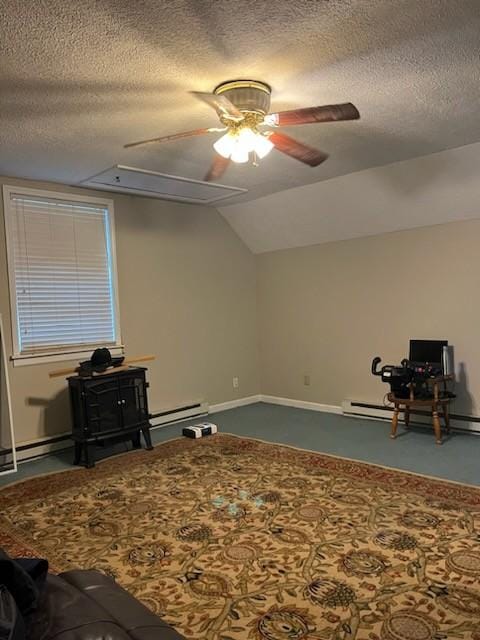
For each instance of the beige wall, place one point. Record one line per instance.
(189, 291)
(327, 310)
(187, 294)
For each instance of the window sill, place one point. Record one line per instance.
(25, 360)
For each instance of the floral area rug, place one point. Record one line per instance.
(233, 539)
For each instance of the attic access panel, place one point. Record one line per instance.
(160, 185)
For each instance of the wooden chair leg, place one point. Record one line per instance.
(406, 416)
(436, 425)
(446, 417)
(395, 422)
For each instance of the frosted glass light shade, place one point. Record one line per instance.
(239, 153)
(237, 146)
(225, 145)
(247, 139)
(263, 146)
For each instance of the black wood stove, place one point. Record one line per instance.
(108, 406)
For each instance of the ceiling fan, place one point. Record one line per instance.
(243, 109)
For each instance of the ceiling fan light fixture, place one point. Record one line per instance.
(247, 139)
(239, 153)
(263, 146)
(225, 145)
(237, 145)
(243, 108)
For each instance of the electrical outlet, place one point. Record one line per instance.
(235, 383)
(306, 380)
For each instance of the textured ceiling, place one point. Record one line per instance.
(81, 78)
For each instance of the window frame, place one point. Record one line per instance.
(72, 352)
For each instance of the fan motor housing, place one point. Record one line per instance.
(251, 96)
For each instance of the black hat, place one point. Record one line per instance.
(101, 359)
(99, 362)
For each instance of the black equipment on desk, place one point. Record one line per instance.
(413, 374)
(398, 377)
(427, 352)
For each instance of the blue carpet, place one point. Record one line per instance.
(368, 440)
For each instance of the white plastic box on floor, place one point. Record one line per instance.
(200, 430)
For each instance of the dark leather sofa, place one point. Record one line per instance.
(87, 605)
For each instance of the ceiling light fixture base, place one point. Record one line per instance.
(249, 96)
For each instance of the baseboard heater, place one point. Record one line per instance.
(360, 409)
(43, 446)
(169, 416)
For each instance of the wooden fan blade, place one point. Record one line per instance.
(221, 104)
(298, 150)
(327, 113)
(175, 136)
(217, 168)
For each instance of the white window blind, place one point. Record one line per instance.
(63, 276)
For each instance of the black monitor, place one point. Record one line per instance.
(427, 351)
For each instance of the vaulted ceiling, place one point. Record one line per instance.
(79, 79)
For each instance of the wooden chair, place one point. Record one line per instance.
(436, 404)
